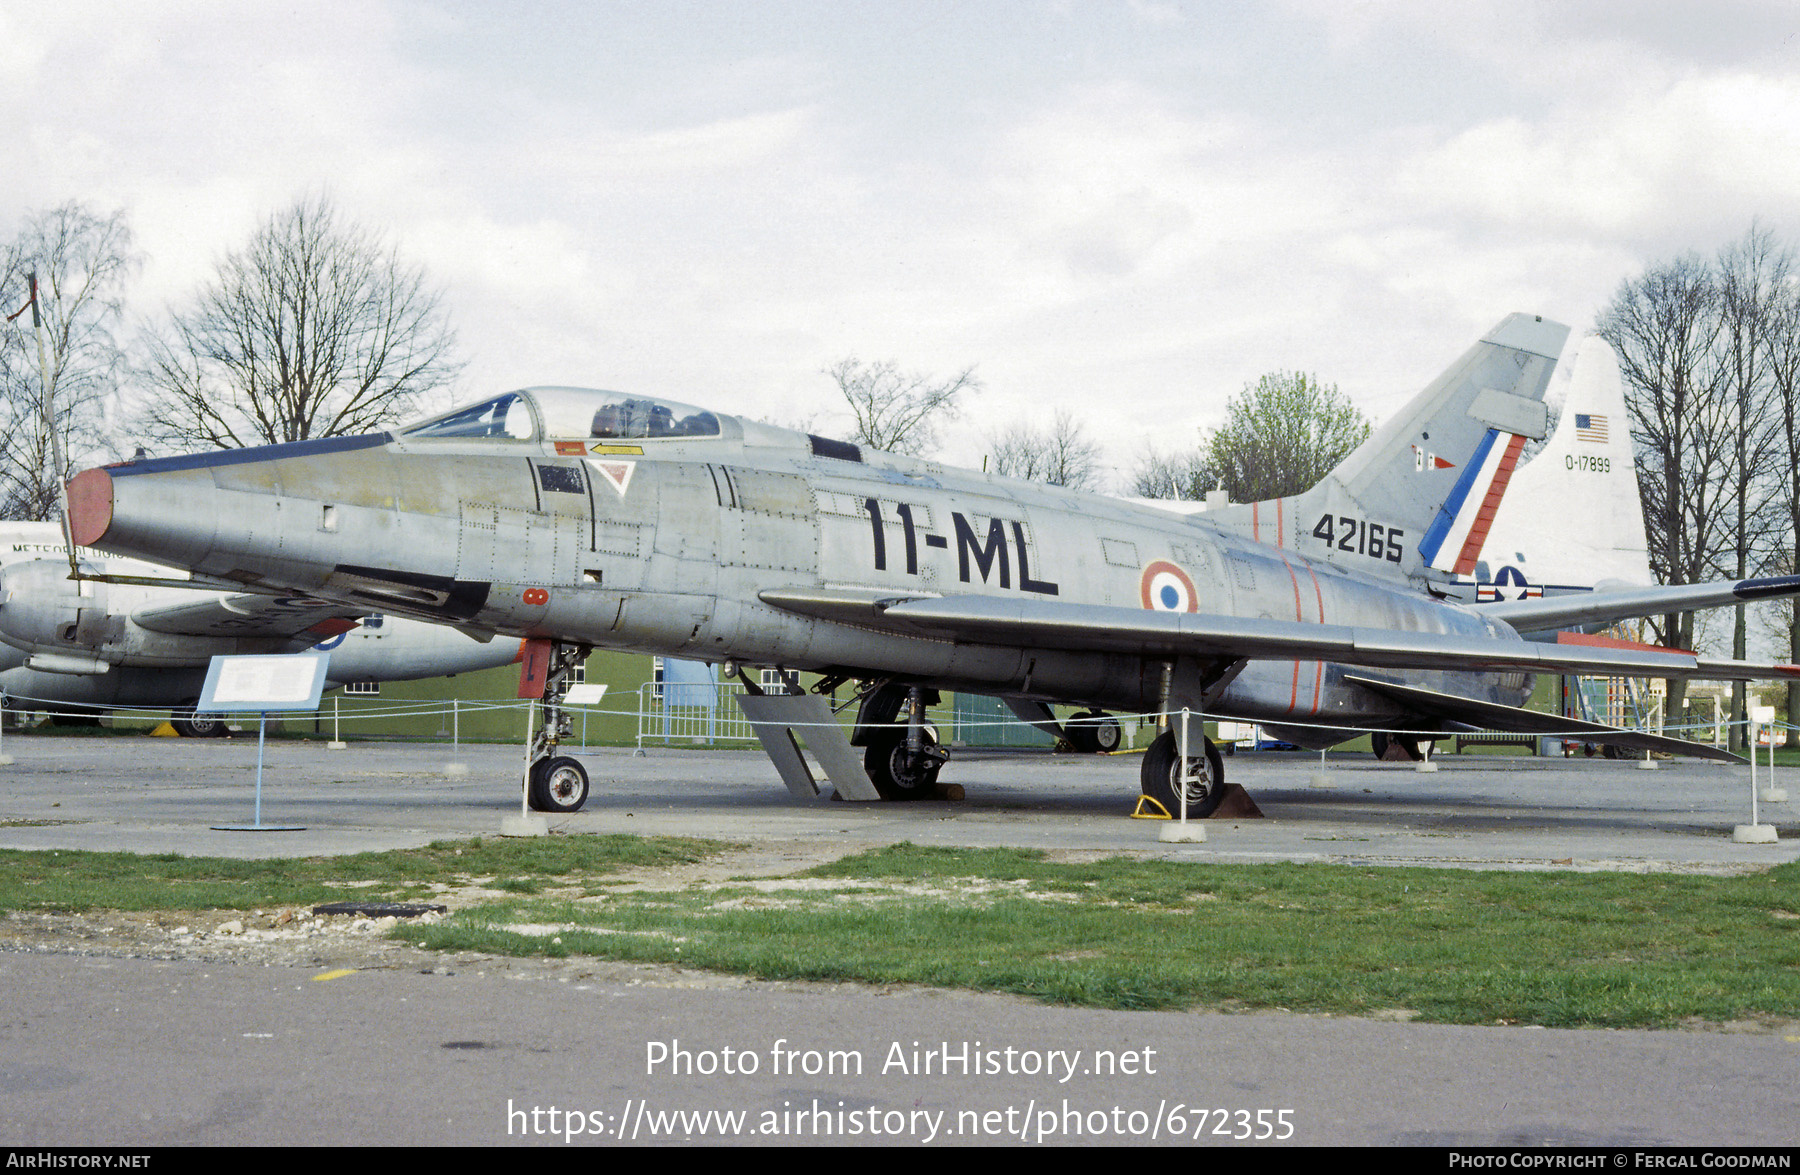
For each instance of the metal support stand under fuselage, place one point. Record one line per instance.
(778, 718)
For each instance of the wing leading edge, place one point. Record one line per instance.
(1099, 628)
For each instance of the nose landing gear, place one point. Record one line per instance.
(553, 782)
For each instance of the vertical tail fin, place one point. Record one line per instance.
(1421, 493)
(1572, 518)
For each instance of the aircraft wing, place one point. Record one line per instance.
(1603, 607)
(211, 614)
(1099, 628)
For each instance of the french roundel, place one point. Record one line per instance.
(1167, 588)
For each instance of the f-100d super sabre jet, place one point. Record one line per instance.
(580, 518)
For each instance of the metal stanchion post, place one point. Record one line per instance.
(1763, 717)
(1755, 832)
(1180, 831)
(525, 823)
(456, 766)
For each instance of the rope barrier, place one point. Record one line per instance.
(651, 713)
(658, 714)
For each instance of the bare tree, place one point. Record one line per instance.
(897, 411)
(1282, 435)
(1059, 454)
(316, 329)
(1753, 275)
(1784, 380)
(1665, 325)
(1182, 476)
(82, 262)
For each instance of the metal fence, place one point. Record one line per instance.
(696, 713)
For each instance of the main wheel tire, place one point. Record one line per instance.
(1392, 747)
(895, 772)
(1093, 733)
(1161, 773)
(188, 724)
(558, 784)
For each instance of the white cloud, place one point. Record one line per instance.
(1705, 154)
(1130, 242)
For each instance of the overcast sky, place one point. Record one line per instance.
(1128, 210)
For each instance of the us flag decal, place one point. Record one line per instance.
(1591, 429)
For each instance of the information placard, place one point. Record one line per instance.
(264, 683)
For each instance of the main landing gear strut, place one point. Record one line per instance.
(555, 783)
(901, 754)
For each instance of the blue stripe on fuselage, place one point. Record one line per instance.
(247, 456)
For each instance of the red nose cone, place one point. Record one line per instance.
(90, 506)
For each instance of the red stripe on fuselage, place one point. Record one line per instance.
(1318, 666)
(1294, 693)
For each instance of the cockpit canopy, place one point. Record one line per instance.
(569, 414)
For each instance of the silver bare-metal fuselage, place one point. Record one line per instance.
(668, 546)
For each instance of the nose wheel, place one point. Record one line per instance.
(558, 784)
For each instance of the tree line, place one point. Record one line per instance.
(316, 327)
(1709, 349)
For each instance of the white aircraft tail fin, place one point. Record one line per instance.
(1572, 519)
(1421, 493)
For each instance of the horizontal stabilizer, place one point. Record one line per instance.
(1544, 614)
(1493, 716)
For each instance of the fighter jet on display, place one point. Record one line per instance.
(89, 644)
(580, 518)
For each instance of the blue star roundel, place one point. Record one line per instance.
(1165, 587)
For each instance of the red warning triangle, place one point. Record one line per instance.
(617, 473)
